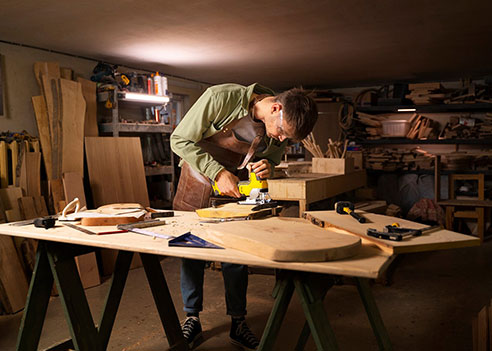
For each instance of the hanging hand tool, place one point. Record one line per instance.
(347, 207)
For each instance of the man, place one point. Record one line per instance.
(229, 127)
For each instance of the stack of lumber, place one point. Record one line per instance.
(65, 113)
(391, 160)
(421, 127)
(426, 93)
(462, 127)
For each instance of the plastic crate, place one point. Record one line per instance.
(395, 128)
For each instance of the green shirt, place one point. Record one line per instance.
(217, 107)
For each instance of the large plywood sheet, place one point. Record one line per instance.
(116, 170)
(369, 262)
(13, 283)
(436, 240)
(284, 239)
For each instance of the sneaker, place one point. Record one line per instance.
(192, 331)
(242, 336)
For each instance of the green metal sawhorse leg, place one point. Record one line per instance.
(312, 289)
(55, 262)
(372, 313)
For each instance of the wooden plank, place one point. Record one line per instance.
(30, 175)
(66, 73)
(4, 175)
(483, 330)
(40, 205)
(89, 92)
(369, 262)
(42, 120)
(73, 184)
(116, 175)
(314, 187)
(57, 194)
(8, 197)
(72, 116)
(437, 240)
(46, 68)
(27, 207)
(51, 95)
(13, 283)
(88, 271)
(287, 239)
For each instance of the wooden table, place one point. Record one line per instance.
(311, 187)
(55, 262)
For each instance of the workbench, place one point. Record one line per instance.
(55, 262)
(307, 188)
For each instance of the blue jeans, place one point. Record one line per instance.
(235, 284)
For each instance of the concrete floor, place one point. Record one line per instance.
(428, 305)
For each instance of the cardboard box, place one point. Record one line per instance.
(333, 165)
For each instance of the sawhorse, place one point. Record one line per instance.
(55, 262)
(311, 289)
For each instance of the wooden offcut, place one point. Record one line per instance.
(116, 170)
(89, 92)
(30, 174)
(72, 116)
(45, 68)
(42, 120)
(436, 240)
(284, 239)
(73, 184)
(13, 283)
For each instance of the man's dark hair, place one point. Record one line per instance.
(300, 111)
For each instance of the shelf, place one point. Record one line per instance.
(427, 108)
(135, 128)
(430, 141)
(428, 171)
(159, 170)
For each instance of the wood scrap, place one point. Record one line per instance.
(13, 286)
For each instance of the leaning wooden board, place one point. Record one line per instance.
(284, 239)
(116, 170)
(437, 240)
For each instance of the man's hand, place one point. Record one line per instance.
(262, 169)
(227, 183)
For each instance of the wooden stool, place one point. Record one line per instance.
(467, 209)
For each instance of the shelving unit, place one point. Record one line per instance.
(118, 128)
(475, 107)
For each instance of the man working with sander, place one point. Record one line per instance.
(229, 127)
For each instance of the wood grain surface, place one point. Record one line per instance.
(284, 239)
(369, 262)
(89, 92)
(116, 170)
(73, 116)
(437, 240)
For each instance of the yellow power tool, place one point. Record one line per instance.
(255, 190)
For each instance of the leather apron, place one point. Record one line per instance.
(233, 147)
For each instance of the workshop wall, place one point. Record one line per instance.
(20, 84)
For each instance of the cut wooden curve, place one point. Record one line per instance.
(287, 239)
